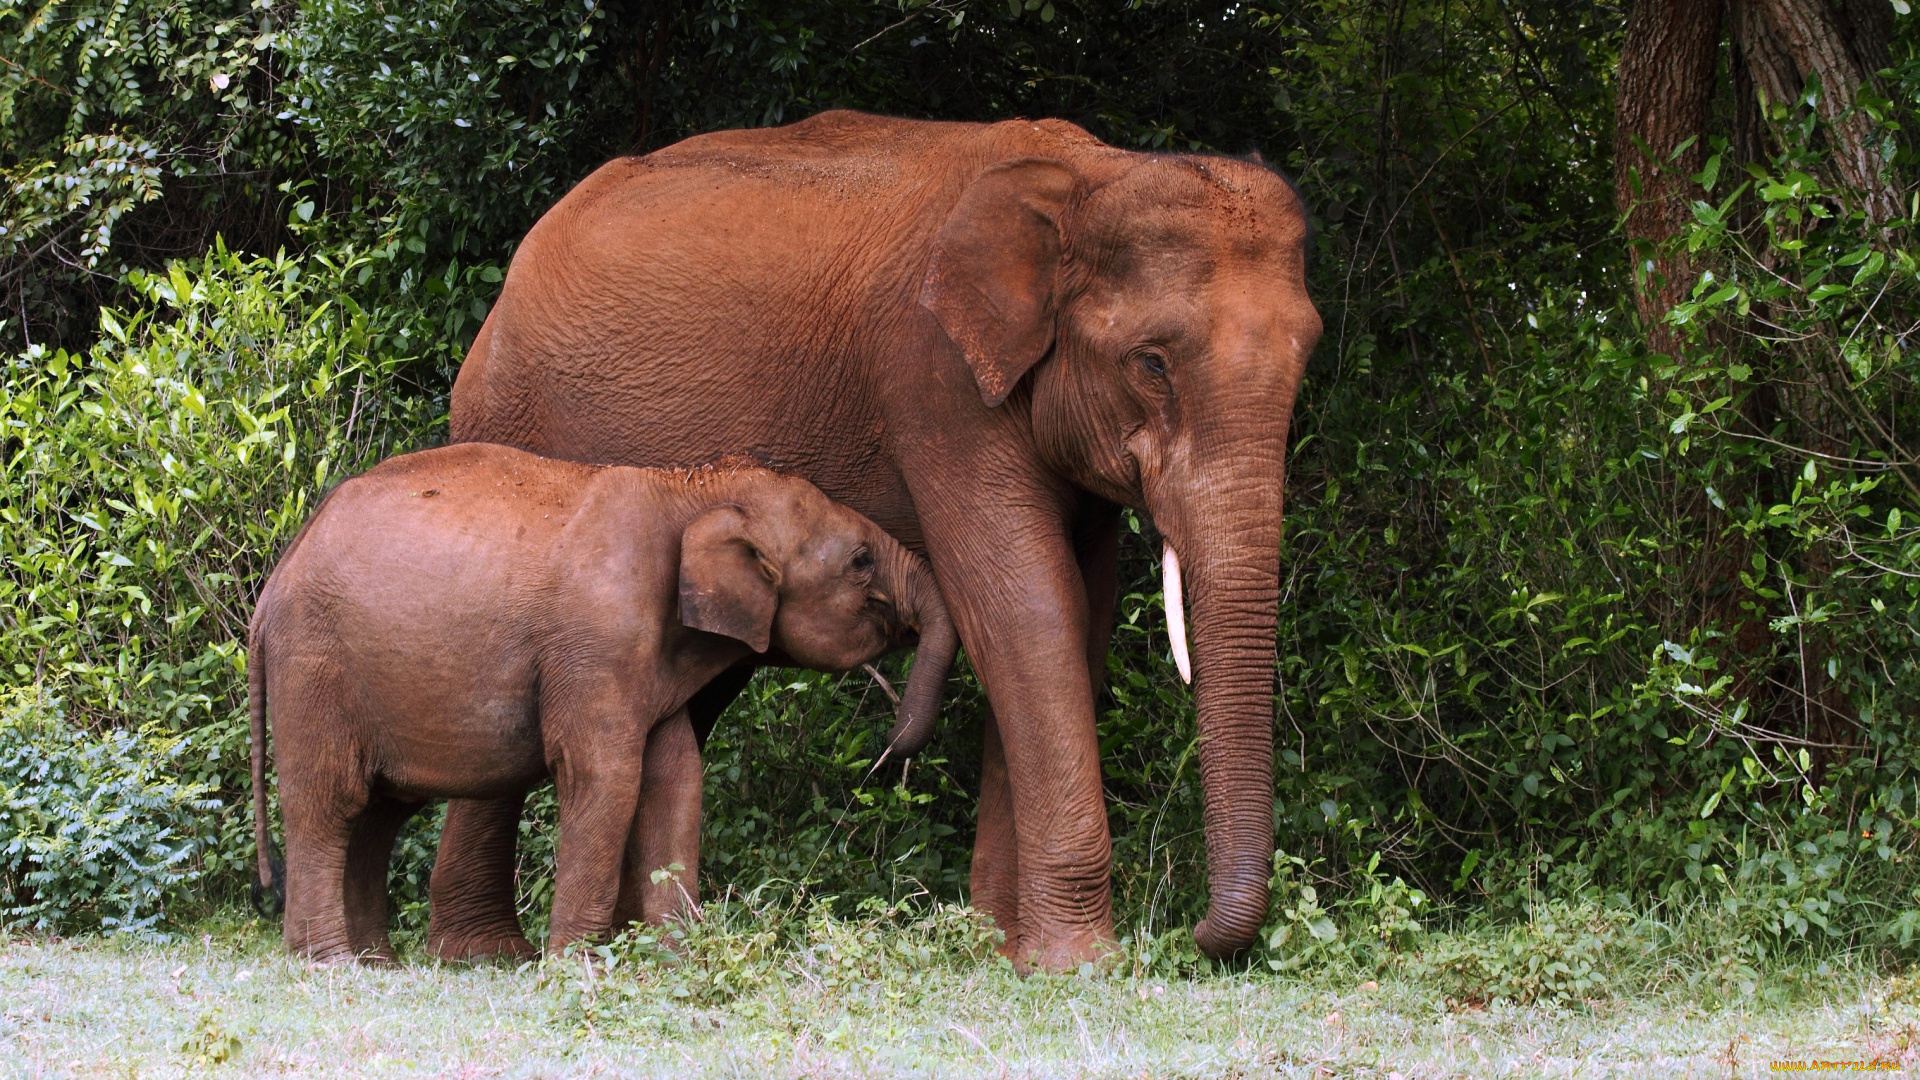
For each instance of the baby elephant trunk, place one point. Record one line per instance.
(920, 706)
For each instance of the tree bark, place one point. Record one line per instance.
(1783, 43)
(1665, 94)
(1763, 73)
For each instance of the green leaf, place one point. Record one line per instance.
(1708, 173)
(1875, 263)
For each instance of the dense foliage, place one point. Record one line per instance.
(1566, 620)
(101, 829)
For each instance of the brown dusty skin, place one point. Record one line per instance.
(988, 339)
(465, 621)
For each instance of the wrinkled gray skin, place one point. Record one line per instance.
(463, 622)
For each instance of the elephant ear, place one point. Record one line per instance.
(726, 585)
(991, 280)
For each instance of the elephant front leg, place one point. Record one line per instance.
(666, 831)
(1021, 608)
(995, 878)
(598, 783)
(471, 899)
(1097, 551)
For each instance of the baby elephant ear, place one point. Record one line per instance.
(726, 585)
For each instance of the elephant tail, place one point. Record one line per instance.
(270, 886)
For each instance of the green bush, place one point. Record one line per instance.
(97, 829)
(792, 795)
(131, 131)
(149, 482)
(1563, 952)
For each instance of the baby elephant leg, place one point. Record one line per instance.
(666, 831)
(324, 793)
(597, 779)
(321, 807)
(369, 856)
(471, 902)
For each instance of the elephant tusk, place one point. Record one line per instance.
(1176, 611)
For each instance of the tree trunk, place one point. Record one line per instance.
(1762, 72)
(1781, 44)
(1665, 93)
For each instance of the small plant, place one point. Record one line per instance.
(1564, 952)
(1169, 953)
(886, 943)
(750, 952)
(211, 1043)
(1371, 921)
(728, 950)
(1300, 930)
(96, 830)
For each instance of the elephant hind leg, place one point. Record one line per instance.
(324, 789)
(995, 878)
(471, 901)
(369, 854)
(319, 830)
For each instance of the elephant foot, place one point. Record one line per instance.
(1009, 943)
(343, 956)
(509, 945)
(1065, 954)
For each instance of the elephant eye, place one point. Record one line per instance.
(1154, 361)
(861, 562)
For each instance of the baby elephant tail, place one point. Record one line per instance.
(919, 709)
(269, 889)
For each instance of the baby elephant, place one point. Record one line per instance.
(463, 622)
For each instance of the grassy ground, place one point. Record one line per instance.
(226, 1002)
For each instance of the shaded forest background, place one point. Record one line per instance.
(1603, 530)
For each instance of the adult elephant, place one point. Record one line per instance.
(987, 338)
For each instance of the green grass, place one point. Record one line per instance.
(851, 998)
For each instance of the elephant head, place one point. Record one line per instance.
(1154, 309)
(785, 567)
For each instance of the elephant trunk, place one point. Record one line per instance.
(1230, 569)
(919, 708)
